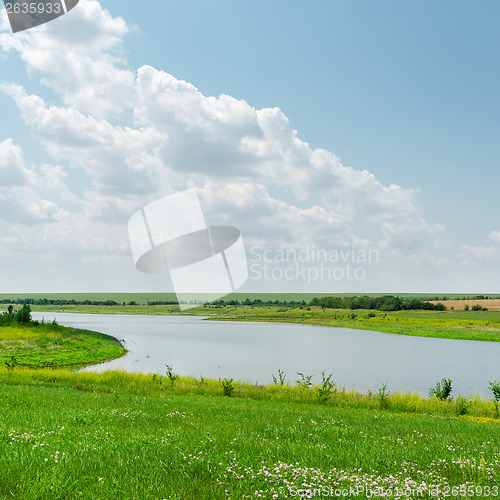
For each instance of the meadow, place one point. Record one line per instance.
(50, 345)
(460, 325)
(66, 434)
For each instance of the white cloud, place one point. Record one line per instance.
(12, 169)
(474, 256)
(495, 236)
(117, 156)
(79, 58)
(133, 138)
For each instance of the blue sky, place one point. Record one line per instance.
(407, 91)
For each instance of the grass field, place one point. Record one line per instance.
(54, 345)
(461, 325)
(144, 298)
(115, 435)
(71, 435)
(451, 324)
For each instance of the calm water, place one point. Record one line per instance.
(254, 351)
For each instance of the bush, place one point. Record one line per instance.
(227, 386)
(383, 397)
(442, 391)
(24, 314)
(477, 307)
(171, 375)
(306, 380)
(281, 377)
(461, 406)
(495, 388)
(326, 387)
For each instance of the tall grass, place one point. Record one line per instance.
(41, 345)
(325, 393)
(67, 435)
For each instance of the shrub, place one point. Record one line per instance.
(461, 406)
(495, 388)
(383, 397)
(477, 307)
(227, 386)
(171, 375)
(24, 314)
(306, 380)
(442, 391)
(326, 387)
(281, 380)
(11, 363)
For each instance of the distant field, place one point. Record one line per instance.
(144, 298)
(459, 305)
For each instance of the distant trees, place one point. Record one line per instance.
(385, 303)
(22, 316)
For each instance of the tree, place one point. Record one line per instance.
(24, 314)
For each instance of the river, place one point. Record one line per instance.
(253, 352)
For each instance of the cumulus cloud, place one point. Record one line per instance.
(79, 57)
(19, 203)
(495, 236)
(12, 169)
(129, 138)
(474, 256)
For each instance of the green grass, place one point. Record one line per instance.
(69, 435)
(115, 435)
(46, 344)
(484, 326)
(144, 298)
(461, 325)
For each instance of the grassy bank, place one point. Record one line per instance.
(470, 325)
(45, 344)
(69, 435)
(460, 325)
(117, 435)
(450, 324)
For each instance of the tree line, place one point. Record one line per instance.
(385, 303)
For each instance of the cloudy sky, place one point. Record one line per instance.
(336, 126)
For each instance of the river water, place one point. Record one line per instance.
(253, 352)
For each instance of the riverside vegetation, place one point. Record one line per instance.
(404, 315)
(35, 344)
(67, 434)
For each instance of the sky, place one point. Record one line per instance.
(354, 144)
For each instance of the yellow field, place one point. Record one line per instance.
(458, 305)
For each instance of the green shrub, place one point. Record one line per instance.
(495, 388)
(227, 386)
(281, 379)
(326, 387)
(171, 375)
(461, 406)
(442, 391)
(383, 397)
(306, 380)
